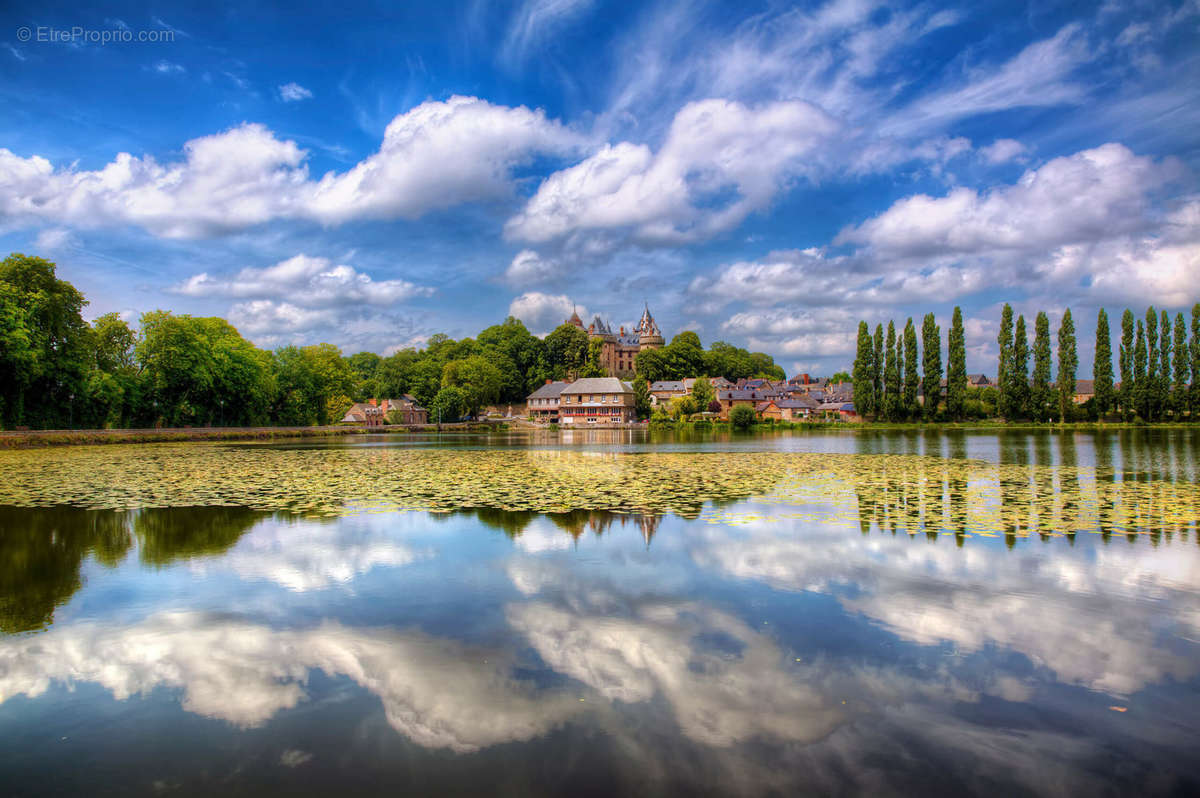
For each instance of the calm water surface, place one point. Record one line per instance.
(904, 613)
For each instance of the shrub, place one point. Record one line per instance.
(742, 417)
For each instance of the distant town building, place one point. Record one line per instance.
(542, 404)
(374, 413)
(619, 350)
(787, 409)
(597, 400)
(1084, 390)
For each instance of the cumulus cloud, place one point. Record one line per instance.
(721, 161)
(303, 556)
(294, 92)
(1089, 196)
(264, 317)
(531, 268)
(307, 281)
(1099, 610)
(435, 156)
(1003, 150)
(432, 690)
(543, 312)
(719, 697)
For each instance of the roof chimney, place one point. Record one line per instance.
(374, 402)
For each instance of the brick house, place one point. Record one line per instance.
(597, 400)
(374, 413)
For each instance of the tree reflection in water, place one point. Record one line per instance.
(42, 550)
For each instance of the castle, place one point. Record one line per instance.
(619, 350)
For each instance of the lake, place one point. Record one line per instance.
(605, 612)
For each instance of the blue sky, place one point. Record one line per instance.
(765, 174)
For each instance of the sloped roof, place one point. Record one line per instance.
(668, 385)
(597, 385)
(549, 390)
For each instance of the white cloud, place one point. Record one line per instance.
(168, 68)
(1089, 196)
(304, 555)
(718, 699)
(437, 155)
(54, 238)
(1003, 150)
(431, 689)
(294, 92)
(720, 162)
(307, 281)
(530, 268)
(1038, 76)
(264, 317)
(543, 312)
(537, 20)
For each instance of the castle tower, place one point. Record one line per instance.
(649, 336)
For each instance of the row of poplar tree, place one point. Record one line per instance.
(1159, 369)
(886, 378)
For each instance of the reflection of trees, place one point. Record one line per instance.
(42, 550)
(1041, 485)
(166, 534)
(575, 523)
(41, 553)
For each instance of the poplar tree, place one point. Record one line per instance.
(1164, 365)
(1139, 371)
(1039, 392)
(931, 351)
(1150, 387)
(891, 376)
(864, 386)
(1126, 364)
(912, 378)
(1018, 373)
(1102, 367)
(1182, 366)
(877, 369)
(1068, 364)
(1005, 340)
(1194, 392)
(956, 374)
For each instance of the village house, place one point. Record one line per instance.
(663, 391)
(542, 404)
(787, 409)
(843, 411)
(734, 397)
(597, 400)
(374, 413)
(1084, 390)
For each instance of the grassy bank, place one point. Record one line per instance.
(29, 439)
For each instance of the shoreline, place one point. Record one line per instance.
(32, 439)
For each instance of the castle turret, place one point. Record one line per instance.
(649, 336)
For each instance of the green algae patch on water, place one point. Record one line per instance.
(909, 493)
